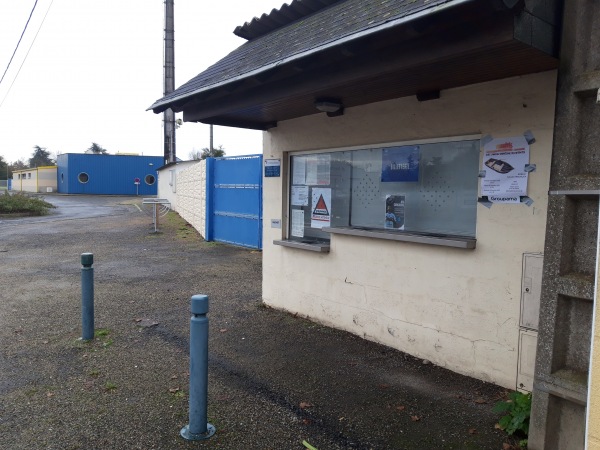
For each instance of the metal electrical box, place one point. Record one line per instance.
(526, 364)
(531, 289)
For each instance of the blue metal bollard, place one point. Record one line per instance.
(198, 428)
(87, 296)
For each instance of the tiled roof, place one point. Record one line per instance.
(342, 21)
(278, 18)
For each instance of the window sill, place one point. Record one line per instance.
(445, 241)
(313, 247)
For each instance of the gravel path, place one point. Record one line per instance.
(274, 379)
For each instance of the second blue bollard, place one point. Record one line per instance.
(87, 296)
(198, 428)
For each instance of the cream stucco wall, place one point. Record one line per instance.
(38, 179)
(457, 308)
(46, 179)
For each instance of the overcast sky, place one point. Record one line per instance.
(96, 65)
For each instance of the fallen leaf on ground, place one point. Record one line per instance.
(400, 407)
(384, 386)
(498, 427)
(506, 446)
(415, 418)
(45, 341)
(306, 421)
(174, 377)
(304, 405)
(173, 390)
(480, 400)
(223, 330)
(50, 394)
(472, 431)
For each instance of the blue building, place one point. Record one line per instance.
(107, 174)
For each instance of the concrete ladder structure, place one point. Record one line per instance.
(567, 301)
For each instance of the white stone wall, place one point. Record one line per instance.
(190, 196)
(167, 181)
(457, 308)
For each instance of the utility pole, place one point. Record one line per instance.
(169, 81)
(211, 139)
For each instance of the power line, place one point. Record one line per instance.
(17, 47)
(26, 54)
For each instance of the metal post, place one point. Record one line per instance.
(87, 296)
(198, 428)
(169, 81)
(155, 217)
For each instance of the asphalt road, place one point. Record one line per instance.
(275, 380)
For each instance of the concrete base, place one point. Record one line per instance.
(185, 433)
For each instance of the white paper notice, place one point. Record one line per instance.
(297, 223)
(300, 195)
(504, 163)
(299, 175)
(321, 208)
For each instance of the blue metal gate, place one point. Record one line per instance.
(234, 200)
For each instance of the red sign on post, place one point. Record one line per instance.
(136, 181)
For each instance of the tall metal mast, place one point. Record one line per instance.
(169, 81)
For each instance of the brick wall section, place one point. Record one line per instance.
(191, 195)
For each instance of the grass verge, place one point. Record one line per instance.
(20, 203)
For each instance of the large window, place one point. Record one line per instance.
(428, 189)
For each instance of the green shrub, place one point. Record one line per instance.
(20, 203)
(516, 419)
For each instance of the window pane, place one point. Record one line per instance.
(425, 188)
(439, 187)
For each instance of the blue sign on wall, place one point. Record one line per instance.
(400, 163)
(272, 167)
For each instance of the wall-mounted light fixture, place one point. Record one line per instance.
(332, 106)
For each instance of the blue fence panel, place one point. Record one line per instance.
(234, 200)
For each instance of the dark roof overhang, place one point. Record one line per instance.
(452, 44)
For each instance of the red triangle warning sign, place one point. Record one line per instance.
(321, 207)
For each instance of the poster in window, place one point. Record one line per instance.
(394, 212)
(318, 170)
(399, 164)
(298, 223)
(299, 195)
(504, 162)
(299, 173)
(321, 208)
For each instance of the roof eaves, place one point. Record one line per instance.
(160, 106)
